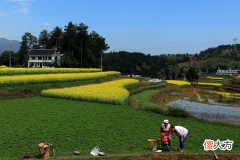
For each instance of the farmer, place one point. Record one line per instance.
(183, 134)
(167, 129)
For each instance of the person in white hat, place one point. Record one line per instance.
(167, 129)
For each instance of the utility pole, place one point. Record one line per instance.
(81, 53)
(10, 59)
(234, 46)
(101, 61)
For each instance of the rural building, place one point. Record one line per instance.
(228, 72)
(42, 57)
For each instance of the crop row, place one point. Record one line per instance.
(228, 95)
(180, 83)
(110, 92)
(20, 80)
(26, 71)
(214, 78)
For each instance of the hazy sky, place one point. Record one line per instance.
(148, 26)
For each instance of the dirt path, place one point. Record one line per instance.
(200, 100)
(164, 156)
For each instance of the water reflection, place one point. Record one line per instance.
(207, 111)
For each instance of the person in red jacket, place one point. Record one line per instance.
(167, 129)
(164, 142)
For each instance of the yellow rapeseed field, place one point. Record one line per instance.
(229, 95)
(109, 92)
(52, 78)
(23, 71)
(215, 77)
(209, 84)
(178, 82)
(188, 83)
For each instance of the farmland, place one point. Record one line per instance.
(73, 124)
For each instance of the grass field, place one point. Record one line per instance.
(75, 125)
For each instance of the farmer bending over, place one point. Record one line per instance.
(167, 129)
(183, 134)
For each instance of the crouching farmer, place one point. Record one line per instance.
(183, 134)
(166, 128)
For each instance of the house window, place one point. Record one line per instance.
(49, 58)
(39, 58)
(33, 58)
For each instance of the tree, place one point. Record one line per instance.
(28, 42)
(43, 38)
(172, 60)
(193, 71)
(5, 58)
(97, 45)
(55, 37)
(69, 38)
(188, 77)
(82, 40)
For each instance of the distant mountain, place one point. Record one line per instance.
(6, 44)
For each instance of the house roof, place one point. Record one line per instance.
(41, 52)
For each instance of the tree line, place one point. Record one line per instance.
(80, 48)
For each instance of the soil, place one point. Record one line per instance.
(134, 104)
(164, 156)
(168, 156)
(169, 86)
(230, 84)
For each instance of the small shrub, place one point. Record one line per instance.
(157, 110)
(163, 84)
(222, 89)
(177, 111)
(220, 98)
(16, 66)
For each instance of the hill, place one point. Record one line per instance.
(6, 44)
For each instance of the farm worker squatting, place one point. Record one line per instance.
(183, 134)
(167, 129)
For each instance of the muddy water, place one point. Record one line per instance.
(218, 111)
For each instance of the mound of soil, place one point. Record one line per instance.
(230, 84)
(167, 156)
(169, 86)
(175, 157)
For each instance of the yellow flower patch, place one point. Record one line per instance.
(109, 92)
(209, 84)
(52, 78)
(229, 95)
(178, 82)
(22, 71)
(215, 77)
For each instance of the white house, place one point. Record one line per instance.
(41, 57)
(228, 72)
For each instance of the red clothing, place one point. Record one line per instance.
(170, 130)
(164, 139)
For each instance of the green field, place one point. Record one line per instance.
(75, 125)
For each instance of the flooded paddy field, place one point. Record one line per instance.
(212, 112)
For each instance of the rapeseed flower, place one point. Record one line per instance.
(109, 92)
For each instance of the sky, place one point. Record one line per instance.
(149, 26)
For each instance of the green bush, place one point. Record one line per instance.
(157, 110)
(222, 89)
(16, 65)
(177, 111)
(163, 84)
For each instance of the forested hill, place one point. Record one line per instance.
(223, 56)
(136, 62)
(222, 51)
